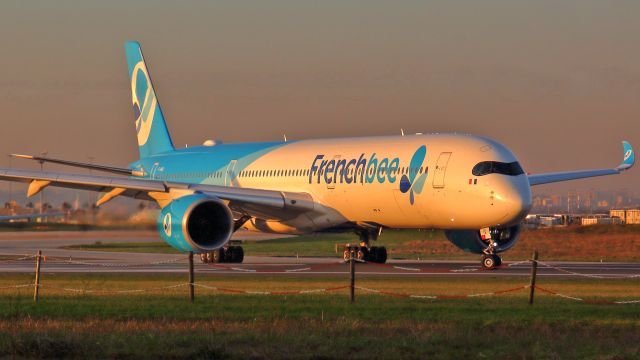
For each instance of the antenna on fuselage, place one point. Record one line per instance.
(285, 137)
(402, 131)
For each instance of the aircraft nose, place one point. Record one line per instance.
(514, 199)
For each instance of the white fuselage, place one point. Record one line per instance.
(346, 190)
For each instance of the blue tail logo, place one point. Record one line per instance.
(153, 136)
(144, 102)
(414, 183)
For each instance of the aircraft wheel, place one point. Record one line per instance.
(362, 254)
(203, 258)
(237, 255)
(346, 255)
(498, 260)
(381, 255)
(373, 254)
(218, 256)
(229, 254)
(489, 262)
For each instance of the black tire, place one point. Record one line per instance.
(373, 254)
(204, 258)
(381, 255)
(498, 260)
(363, 254)
(218, 256)
(346, 255)
(238, 255)
(229, 254)
(489, 262)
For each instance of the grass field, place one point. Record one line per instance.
(319, 326)
(588, 243)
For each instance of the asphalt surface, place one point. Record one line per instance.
(15, 246)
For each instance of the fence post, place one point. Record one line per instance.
(36, 285)
(534, 270)
(191, 283)
(352, 268)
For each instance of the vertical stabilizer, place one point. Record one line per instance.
(153, 136)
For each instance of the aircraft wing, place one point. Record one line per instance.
(627, 163)
(241, 200)
(111, 169)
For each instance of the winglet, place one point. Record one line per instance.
(629, 157)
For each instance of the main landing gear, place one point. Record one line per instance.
(231, 253)
(490, 260)
(364, 251)
(376, 254)
(228, 254)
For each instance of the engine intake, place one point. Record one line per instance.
(471, 241)
(197, 223)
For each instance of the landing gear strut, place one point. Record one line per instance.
(229, 254)
(490, 260)
(363, 251)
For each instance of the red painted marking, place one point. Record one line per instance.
(451, 297)
(510, 290)
(545, 290)
(232, 290)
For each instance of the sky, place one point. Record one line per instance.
(557, 82)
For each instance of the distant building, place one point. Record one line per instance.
(626, 216)
(632, 216)
(600, 220)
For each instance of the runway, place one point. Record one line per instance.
(17, 250)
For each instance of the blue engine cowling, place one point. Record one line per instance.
(197, 223)
(470, 240)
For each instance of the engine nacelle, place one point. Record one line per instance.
(197, 223)
(470, 240)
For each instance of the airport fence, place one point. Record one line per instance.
(351, 286)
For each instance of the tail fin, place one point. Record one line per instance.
(153, 136)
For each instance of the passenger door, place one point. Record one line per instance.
(440, 170)
(229, 175)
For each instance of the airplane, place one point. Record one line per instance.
(472, 187)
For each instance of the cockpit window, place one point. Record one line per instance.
(495, 167)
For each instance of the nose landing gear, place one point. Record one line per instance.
(490, 260)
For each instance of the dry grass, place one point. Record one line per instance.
(591, 243)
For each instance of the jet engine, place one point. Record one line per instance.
(471, 241)
(197, 223)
